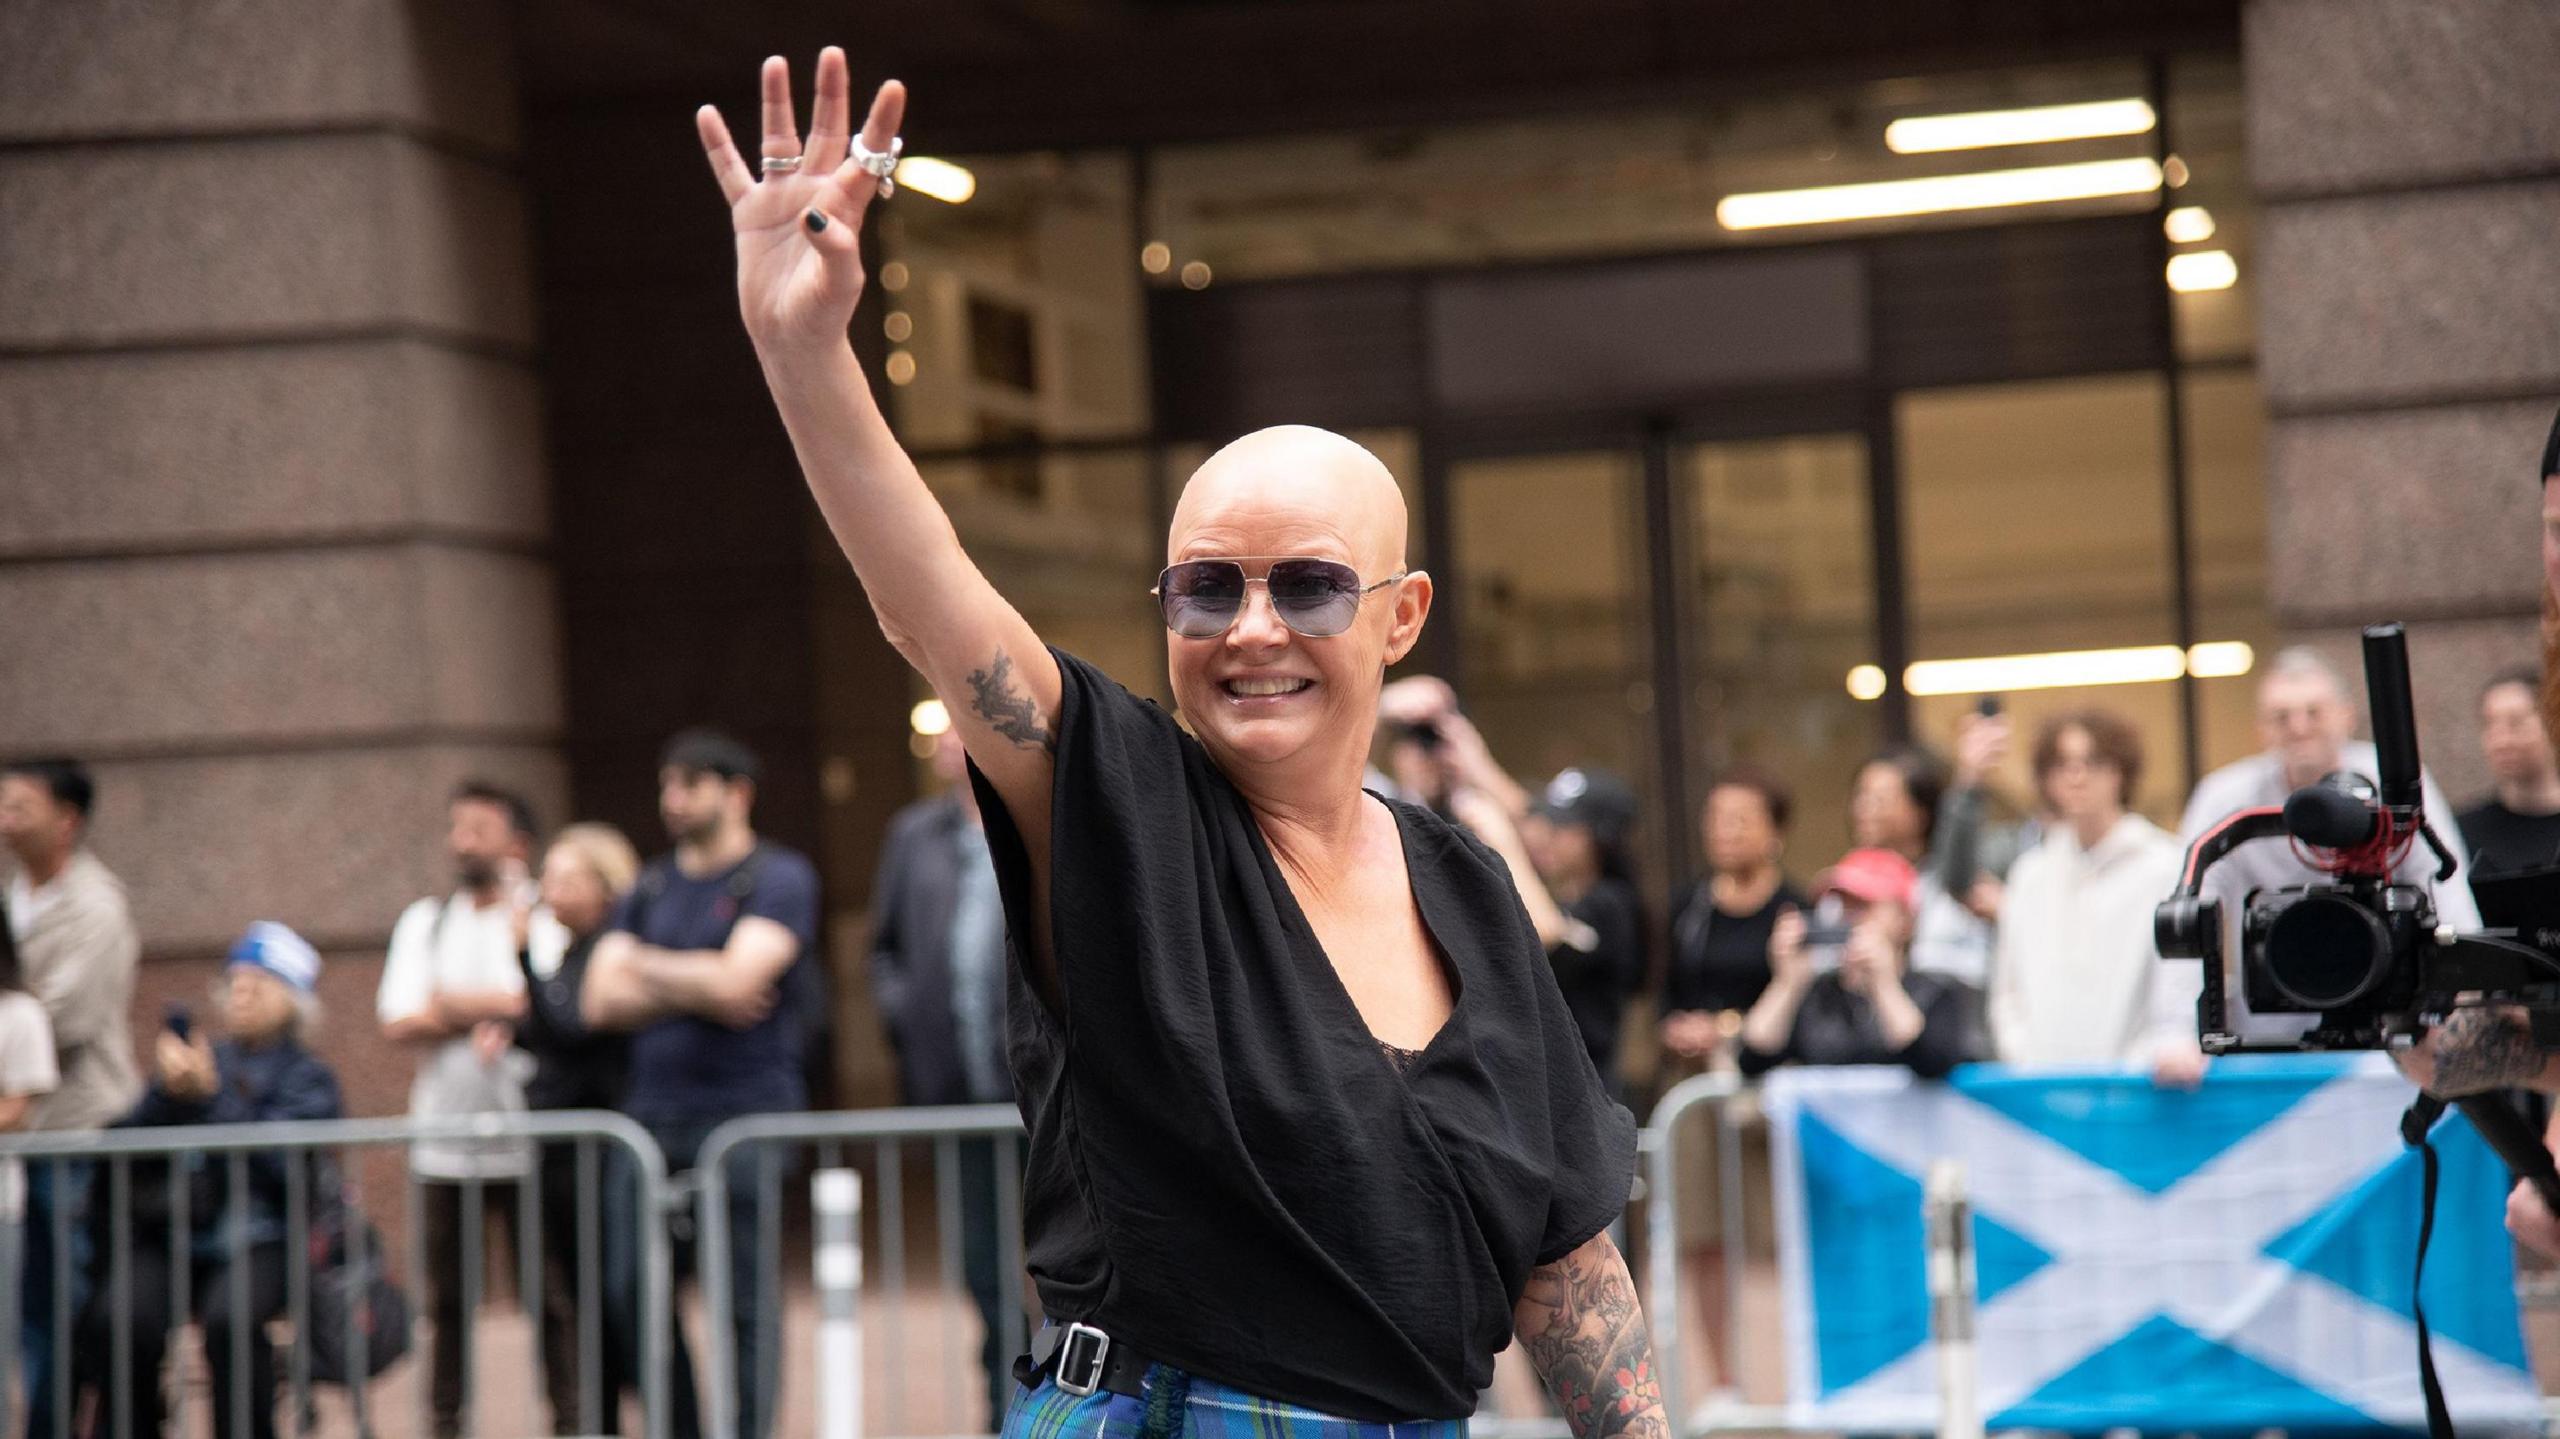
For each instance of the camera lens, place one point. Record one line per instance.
(2325, 952)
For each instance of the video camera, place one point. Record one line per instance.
(2361, 951)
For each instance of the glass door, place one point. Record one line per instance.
(1777, 599)
(1547, 587)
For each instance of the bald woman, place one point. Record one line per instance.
(1312, 1133)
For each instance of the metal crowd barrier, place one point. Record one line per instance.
(858, 1238)
(311, 1152)
(876, 1142)
(861, 1165)
(1666, 1291)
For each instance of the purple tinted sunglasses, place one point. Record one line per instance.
(1317, 598)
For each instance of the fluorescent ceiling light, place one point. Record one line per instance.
(2036, 125)
(2068, 669)
(2203, 270)
(944, 181)
(2220, 660)
(1937, 194)
(2189, 225)
(929, 718)
(2065, 669)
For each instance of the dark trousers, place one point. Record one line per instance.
(565, 1321)
(758, 1366)
(441, 1203)
(234, 1299)
(56, 1200)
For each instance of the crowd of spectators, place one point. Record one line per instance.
(1962, 923)
(1959, 925)
(683, 993)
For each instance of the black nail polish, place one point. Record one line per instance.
(817, 222)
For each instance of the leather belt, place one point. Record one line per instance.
(1083, 1359)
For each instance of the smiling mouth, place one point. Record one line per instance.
(1265, 688)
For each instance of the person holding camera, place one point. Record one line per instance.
(1569, 851)
(236, 1247)
(1841, 989)
(2492, 1047)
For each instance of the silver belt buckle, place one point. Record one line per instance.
(1080, 1357)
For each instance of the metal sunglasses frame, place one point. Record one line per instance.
(1360, 594)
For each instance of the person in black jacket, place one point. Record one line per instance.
(1579, 832)
(938, 971)
(937, 946)
(236, 1254)
(586, 872)
(1858, 1003)
(1721, 930)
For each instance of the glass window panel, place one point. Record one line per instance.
(1778, 606)
(2036, 520)
(1018, 313)
(2226, 422)
(1551, 587)
(2207, 127)
(1623, 182)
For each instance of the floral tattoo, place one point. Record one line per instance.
(1579, 1322)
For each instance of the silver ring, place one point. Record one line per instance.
(781, 164)
(880, 164)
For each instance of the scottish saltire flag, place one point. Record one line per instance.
(2231, 1258)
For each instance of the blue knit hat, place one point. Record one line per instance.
(280, 952)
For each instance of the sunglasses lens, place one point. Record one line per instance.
(1315, 597)
(1201, 597)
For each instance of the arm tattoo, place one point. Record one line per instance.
(2483, 1049)
(995, 698)
(1579, 1322)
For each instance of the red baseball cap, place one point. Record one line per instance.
(1872, 875)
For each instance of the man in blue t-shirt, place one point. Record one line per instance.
(708, 964)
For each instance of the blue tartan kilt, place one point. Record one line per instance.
(1207, 1410)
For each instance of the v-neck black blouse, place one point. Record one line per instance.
(1225, 1170)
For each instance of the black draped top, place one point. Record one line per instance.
(1226, 1171)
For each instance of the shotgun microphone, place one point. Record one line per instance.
(2337, 813)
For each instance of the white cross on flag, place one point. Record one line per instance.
(2236, 1257)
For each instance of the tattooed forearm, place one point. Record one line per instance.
(2481, 1049)
(995, 698)
(1579, 1322)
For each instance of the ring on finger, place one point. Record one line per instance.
(881, 165)
(781, 164)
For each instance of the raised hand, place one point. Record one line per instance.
(1982, 742)
(1788, 958)
(799, 259)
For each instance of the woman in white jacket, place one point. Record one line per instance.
(2078, 979)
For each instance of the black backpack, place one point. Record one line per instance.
(370, 1303)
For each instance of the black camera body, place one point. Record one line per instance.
(2350, 953)
(2362, 952)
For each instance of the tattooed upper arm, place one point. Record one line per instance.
(1580, 1324)
(2483, 1048)
(998, 698)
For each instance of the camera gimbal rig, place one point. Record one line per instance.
(2362, 951)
